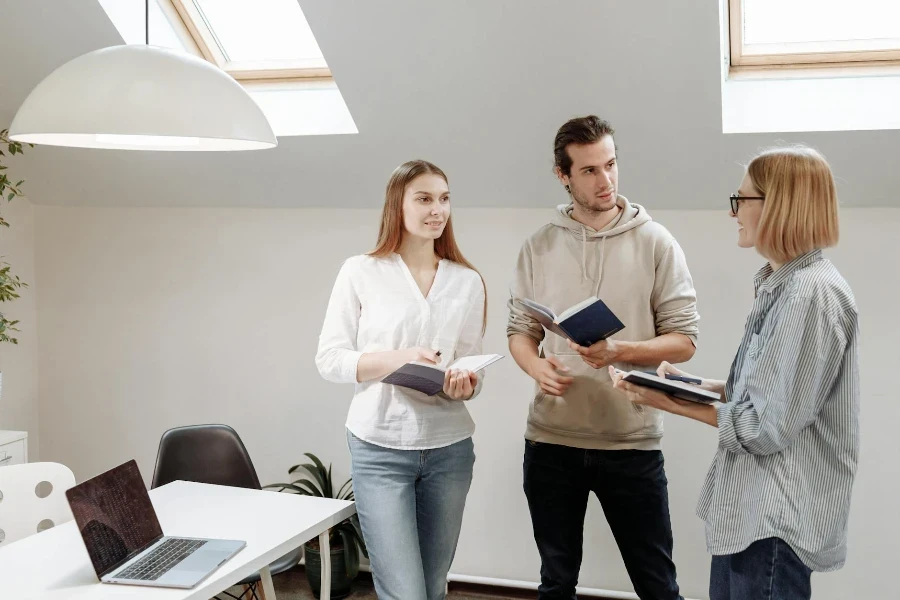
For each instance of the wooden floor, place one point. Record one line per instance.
(292, 585)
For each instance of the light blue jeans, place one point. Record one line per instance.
(410, 505)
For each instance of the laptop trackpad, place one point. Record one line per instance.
(205, 559)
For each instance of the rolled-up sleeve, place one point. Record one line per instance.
(337, 356)
(674, 300)
(472, 334)
(788, 384)
(522, 287)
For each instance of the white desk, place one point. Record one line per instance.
(55, 565)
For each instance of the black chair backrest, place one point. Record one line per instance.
(204, 454)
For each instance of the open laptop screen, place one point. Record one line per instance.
(115, 516)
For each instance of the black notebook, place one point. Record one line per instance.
(429, 379)
(586, 323)
(685, 391)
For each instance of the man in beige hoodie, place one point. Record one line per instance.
(582, 435)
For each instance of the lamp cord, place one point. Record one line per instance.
(147, 22)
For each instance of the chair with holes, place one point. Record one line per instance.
(33, 498)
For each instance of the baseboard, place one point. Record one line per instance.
(502, 589)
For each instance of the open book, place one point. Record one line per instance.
(586, 323)
(429, 379)
(679, 389)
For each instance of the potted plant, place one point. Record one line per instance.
(345, 539)
(9, 283)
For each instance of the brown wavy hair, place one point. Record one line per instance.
(391, 230)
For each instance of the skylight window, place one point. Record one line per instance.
(262, 39)
(813, 32)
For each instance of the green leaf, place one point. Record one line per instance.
(344, 488)
(316, 476)
(287, 486)
(310, 486)
(323, 474)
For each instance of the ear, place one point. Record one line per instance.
(563, 178)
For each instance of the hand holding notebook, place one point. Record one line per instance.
(429, 379)
(685, 388)
(586, 323)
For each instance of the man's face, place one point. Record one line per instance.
(593, 179)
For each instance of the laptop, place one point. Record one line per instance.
(125, 541)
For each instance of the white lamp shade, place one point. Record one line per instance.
(138, 97)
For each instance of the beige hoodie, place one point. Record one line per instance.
(638, 269)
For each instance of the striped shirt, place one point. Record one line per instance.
(789, 433)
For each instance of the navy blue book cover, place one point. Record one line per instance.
(592, 324)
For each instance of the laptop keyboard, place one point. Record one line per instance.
(156, 564)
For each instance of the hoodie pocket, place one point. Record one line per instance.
(590, 407)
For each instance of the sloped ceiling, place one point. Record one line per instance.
(477, 86)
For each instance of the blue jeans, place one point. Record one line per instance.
(410, 505)
(767, 570)
(632, 488)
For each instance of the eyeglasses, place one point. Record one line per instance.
(735, 198)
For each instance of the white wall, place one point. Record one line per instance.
(19, 397)
(152, 318)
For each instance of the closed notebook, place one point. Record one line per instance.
(678, 389)
(586, 323)
(429, 379)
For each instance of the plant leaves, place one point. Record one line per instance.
(316, 476)
(340, 495)
(287, 486)
(310, 486)
(326, 475)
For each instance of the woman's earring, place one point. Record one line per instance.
(567, 189)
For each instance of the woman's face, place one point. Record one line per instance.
(426, 206)
(748, 213)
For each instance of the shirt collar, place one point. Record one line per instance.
(768, 279)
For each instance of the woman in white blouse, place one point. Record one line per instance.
(413, 298)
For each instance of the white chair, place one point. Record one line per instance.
(22, 511)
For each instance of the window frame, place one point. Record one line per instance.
(196, 34)
(854, 59)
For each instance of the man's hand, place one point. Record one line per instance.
(599, 355)
(548, 373)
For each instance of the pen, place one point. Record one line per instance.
(681, 378)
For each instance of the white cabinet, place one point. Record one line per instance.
(13, 448)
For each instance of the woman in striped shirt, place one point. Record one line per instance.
(777, 496)
(413, 298)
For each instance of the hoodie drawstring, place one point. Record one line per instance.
(583, 250)
(584, 259)
(600, 273)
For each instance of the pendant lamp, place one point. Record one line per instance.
(142, 97)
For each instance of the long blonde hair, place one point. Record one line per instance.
(390, 232)
(800, 213)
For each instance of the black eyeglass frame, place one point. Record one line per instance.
(734, 198)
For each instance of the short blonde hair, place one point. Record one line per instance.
(800, 213)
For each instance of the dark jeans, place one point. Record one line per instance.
(631, 487)
(767, 570)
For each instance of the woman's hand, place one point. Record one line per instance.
(460, 384)
(417, 354)
(643, 395)
(712, 385)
